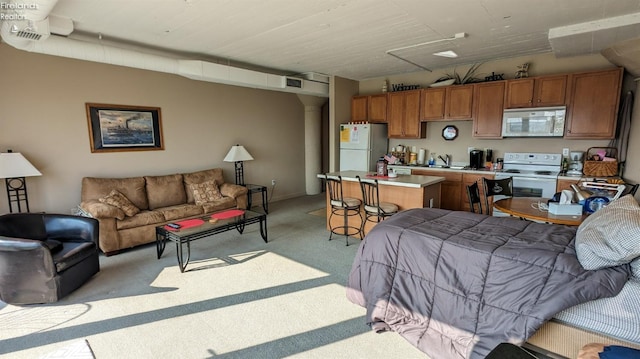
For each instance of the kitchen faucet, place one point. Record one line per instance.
(446, 160)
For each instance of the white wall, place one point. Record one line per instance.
(42, 115)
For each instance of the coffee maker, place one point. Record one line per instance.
(476, 159)
(575, 163)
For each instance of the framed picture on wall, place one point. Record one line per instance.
(115, 128)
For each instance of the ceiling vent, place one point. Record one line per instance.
(294, 82)
(31, 30)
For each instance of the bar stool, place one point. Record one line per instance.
(473, 193)
(493, 187)
(342, 206)
(373, 208)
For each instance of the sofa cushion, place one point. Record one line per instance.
(207, 191)
(117, 199)
(224, 203)
(133, 188)
(165, 191)
(141, 219)
(180, 211)
(199, 177)
(101, 210)
(73, 253)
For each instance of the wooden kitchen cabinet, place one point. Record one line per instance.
(433, 100)
(592, 109)
(459, 102)
(468, 179)
(488, 101)
(542, 91)
(371, 108)
(359, 108)
(450, 189)
(403, 115)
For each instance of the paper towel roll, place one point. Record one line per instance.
(421, 156)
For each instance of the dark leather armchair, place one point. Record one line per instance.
(44, 257)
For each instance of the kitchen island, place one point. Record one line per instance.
(406, 191)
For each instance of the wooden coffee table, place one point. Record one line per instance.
(228, 220)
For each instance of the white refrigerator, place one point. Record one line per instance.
(361, 145)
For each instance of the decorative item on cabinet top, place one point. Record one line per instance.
(403, 87)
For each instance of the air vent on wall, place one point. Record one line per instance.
(294, 82)
(31, 30)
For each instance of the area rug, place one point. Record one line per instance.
(77, 350)
(322, 212)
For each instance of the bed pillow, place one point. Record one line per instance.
(117, 199)
(610, 236)
(204, 192)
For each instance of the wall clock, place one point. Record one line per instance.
(449, 132)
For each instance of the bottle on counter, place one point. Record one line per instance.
(488, 158)
(381, 167)
(432, 160)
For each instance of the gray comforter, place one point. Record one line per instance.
(456, 284)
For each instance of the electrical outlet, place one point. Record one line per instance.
(273, 182)
(565, 152)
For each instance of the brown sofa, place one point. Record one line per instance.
(152, 201)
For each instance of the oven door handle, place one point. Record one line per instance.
(529, 179)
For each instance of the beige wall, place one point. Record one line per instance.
(42, 115)
(341, 91)
(545, 64)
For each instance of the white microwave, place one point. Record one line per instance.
(534, 122)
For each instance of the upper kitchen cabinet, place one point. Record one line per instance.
(488, 104)
(359, 108)
(459, 102)
(593, 104)
(371, 108)
(433, 104)
(403, 115)
(542, 91)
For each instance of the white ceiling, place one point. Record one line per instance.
(349, 38)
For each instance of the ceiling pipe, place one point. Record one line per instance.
(192, 69)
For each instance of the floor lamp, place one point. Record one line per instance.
(238, 154)
(14, 168)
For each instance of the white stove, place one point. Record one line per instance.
(541, 165)
(534, 174)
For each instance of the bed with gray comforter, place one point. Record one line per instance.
(456, 284)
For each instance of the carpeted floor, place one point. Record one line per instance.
(239, 298)
(79, 349)
(322, 212)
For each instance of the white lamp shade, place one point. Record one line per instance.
(13, 164)
(237, 153)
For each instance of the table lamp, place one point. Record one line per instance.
(14, 168)
(238, 154)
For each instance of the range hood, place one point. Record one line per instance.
(34, 30)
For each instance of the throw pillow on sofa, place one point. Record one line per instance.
(204, 192)
(119, 200)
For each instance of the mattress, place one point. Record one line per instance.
(617, 317)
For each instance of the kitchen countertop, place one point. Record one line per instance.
(561, 176)
(454, 168)
(413, 181)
